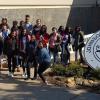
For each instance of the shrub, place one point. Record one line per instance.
(75, 70)
(96, 73)
(59, 69)
(72, 70)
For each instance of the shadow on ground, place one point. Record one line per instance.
(19, 89)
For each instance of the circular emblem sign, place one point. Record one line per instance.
(92, 51)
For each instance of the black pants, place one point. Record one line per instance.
(23, 60)
(42, 67)
(11, 62)
(67, 54)
(81, 56)
(34, 64)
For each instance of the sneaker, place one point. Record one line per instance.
(24, 75)
(12, 75)
(46, 82)
(9, 74)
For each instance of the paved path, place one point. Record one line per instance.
(19, 89)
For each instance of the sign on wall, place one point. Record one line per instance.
(92, 51)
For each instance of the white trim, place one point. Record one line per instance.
(29, 7)
(49, 6)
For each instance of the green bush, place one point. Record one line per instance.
(59, 69)
(72, 70)
(75, 70)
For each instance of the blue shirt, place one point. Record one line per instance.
(29, 27)
(43, 56)
(5, 34)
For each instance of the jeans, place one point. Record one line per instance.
(65, 55)
(62, 52)
(55, 57)
(34, 63)
(24, 63)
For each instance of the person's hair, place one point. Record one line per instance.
(71, 31)
(32, 35)
(77, 27)
(4, 23)
(43, 27)
(54, 28)
(21, 22)
(23, 28)
(38, 19)
(15, 22)
(67, 29)
(4, 19)
(27, 15)
(40, 42)
(12, 32)
(60, 27)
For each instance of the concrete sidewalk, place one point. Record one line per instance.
(18, 89)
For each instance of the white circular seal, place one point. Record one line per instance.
(92, 51)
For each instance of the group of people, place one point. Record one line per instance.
(27, 44)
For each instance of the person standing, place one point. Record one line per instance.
(31, 57)
(44, 36)
(4, 32)
(24, 38)
(21, 26)
(78, 37)
(17, 33)
(54, 44)
(4, 22)
(36, 29)
(9, 49)
(67, 38)
(61, 31)
(28, 24)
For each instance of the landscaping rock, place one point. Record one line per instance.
(87, 83)
(70, 82)
(78, 81)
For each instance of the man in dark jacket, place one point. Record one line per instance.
(78, 37)
(31, 56)
(10, 47)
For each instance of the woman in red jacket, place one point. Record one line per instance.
(44, 35)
